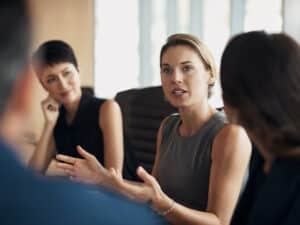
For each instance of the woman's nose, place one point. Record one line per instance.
(62, 83)
(177, 76)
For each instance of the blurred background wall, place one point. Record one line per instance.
(117, 42)
(69, 20)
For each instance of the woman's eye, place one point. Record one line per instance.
(187, 68)
(66, 73)
(166, 70)
(50, 80)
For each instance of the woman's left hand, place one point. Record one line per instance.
(148, 191)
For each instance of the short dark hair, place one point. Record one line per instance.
(15, 42)
(260, 78)
(53, 52)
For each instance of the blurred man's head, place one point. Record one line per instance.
(15, 40)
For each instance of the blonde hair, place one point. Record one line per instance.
(198, 46)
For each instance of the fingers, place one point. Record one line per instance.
(115, 172)
(51, 107)
(128, 188)
(75, 179)
(50, 104)
(116, 177)
(67, 168)
(67, 159)
(64, 166)
(70, 173)
(84, 153)
(145, 176)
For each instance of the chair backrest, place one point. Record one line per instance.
(143, 110)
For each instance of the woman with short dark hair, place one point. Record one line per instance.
(74, 120)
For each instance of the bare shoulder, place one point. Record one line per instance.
(109, 105)
(109, 113)
(232, 140)
(231, 134)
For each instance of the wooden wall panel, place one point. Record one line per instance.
(69, 20)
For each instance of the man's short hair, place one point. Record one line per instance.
(15, 41)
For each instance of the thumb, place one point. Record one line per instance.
(114, 175)
(145, 176)
(86, 155)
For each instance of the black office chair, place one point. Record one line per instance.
(142, 110)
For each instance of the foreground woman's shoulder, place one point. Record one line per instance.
(232, 139)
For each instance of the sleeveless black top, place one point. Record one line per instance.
(273, 198)
(84, 129)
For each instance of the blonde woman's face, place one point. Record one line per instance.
(61, 81)
(184, 77)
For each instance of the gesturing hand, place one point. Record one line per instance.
(87, 170)
(148, 191)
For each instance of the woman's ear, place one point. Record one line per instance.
(211, 78)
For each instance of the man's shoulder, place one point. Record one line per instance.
(27, 198)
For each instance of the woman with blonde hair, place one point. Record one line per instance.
(201, 159)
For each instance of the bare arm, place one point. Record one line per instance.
(44, 151)
(53, 170)
(45, 148)
(230, 157)
(90, 170)
(110, 123)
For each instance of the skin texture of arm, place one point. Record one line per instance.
(45, 149)
(52, 170)
(89, 170)
(230, 156)
(110, 123)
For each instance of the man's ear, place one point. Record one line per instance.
(22, 92)
(17, 110)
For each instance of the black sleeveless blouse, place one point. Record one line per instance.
(84, 130)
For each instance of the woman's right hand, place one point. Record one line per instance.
(87, 170)
(50, 109)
